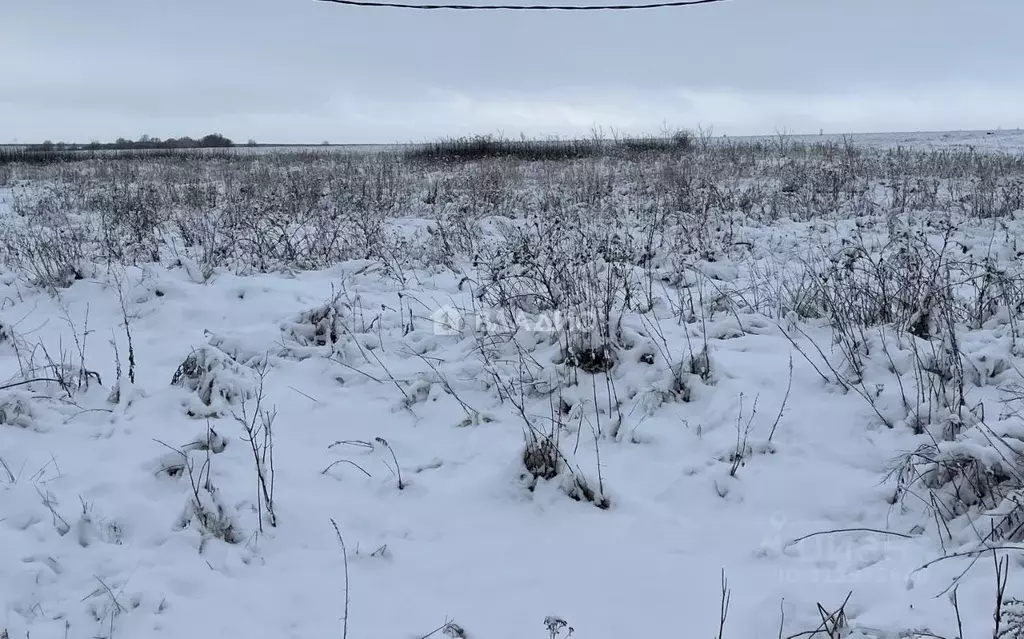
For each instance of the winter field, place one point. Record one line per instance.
(733, 389)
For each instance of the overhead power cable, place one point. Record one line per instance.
(522, 7)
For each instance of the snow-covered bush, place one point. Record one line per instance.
(217, 380)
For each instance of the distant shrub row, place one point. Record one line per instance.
(485, 147)
(37, 156)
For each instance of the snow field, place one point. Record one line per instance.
(734, 407)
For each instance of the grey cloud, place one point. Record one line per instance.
(303, 70)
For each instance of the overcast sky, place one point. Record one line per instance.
(306, 71)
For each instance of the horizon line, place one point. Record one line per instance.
(554, 138)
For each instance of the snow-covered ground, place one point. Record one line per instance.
(731, 438)
(1000, 140)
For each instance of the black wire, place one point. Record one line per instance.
(523, 7)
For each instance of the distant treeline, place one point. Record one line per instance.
(52, 152)
(211, 141)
